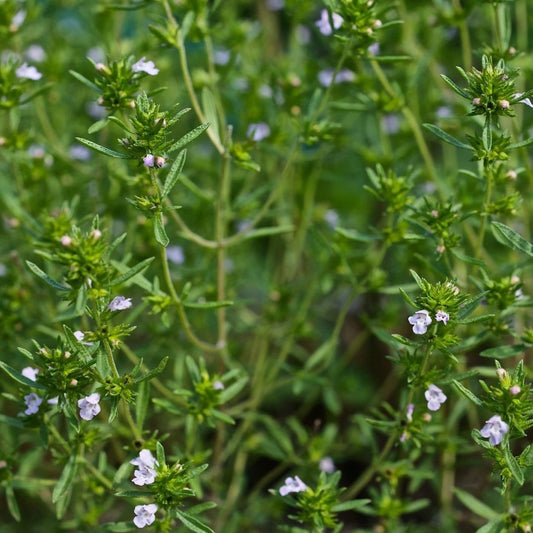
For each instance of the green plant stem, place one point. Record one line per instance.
(466, 47)
(222, 214)
(411, 119)
(180, 47)
(180, 308)
(110, 358)
(486, 202)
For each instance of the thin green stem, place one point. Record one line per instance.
(466, 47)
(181, 309)
(486, 202)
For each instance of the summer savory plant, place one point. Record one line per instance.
(265, 265)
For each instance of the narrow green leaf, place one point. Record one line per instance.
(234, 389)
(12, 504)
(133, 271)
(192, 522)
(149, 375)
(210, 113)
(85, 81)
(222, 416)
(66, 480)
(468, 394)
(208, 305)
(475, 505)
(174, 173)
(159, 230)
(97, 126)
(494, 526)
(102, 149)
(446, 137)
(264, 232)
(141, 403)
(355, 235)
(509, 237)
(160, 454)
(513, 465)
(278, 434)
(352, 505)
(455, 87)
(17, 376)
(35, 93)
(39, 273)
(13, 422)
(187, 138)
(520, 144)
(467, 258)
(486, 136)
(504, 352)
(322, 354)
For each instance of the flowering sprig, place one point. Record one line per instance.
(17, 84)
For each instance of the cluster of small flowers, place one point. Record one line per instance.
(421, 320)
(294, 484)
(144, 475)
(89, 405)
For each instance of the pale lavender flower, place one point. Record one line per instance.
(514, 390)
(17, 20)
(218, 385)
(146, 473)
(435, 397)
(36, 151)
(390, 123)
(332, 218)
(326, 465)
(221, 57)
(35, 52)
(303, 34)
(420, 321)
(149, 160)
(175, 254)
(265, 91)
(145, 66)
(30, 373)
(258, 131)
(144, 515)
(81, 153)
(373, 49)
(3, 270)
(494, 430)
(95, 111)
(32, 402)
(28, 72)
(324, 25)
(443, 317)
(292, 485)
(325, 77)
(119, 303)
(89, 406)
(275, 5)
(409, 412)
(96, 54)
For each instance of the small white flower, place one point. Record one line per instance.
(32, 402)
(145, 474)
(119, 303)
(30, 373)
(66, 241)
(494, 430)
(218, 385)
(89, 406)
(144, 515)
(259, 131)
(324, 25)
(28, 72)
(326, 465)
(526, 101)
(443, 317)
(292, 485)
(420, 321)
(435, 397)
(145, 66)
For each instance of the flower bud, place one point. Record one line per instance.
(159, 161)
(504, 104)
(67, 354)
(96, 234)
(511, 175)
(476, 101)
(502, 373)
(73, 382)
(66, 240)
(514, 390)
